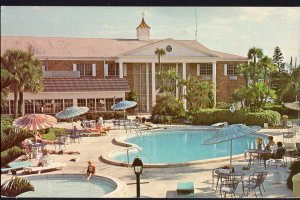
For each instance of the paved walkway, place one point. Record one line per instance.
(162, 181)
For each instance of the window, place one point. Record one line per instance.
(85, 69)
(5, 109)
(28, 106)
(100, 105)
(113, 69)
(12, 106)
(81, 102)
(68, 103)
(91, 104)
(232, 69)
(58, 105)
(205, 69)
(109, 102)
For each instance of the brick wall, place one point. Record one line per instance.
(67, 65)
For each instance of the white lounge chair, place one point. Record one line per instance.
(43, 168)
(220, 124)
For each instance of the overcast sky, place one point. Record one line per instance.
(227, 29)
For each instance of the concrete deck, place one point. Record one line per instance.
(162, 181)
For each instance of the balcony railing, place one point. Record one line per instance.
(65, 74)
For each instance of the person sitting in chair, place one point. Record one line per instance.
(270, 143)
(45, 160)
(278, 154)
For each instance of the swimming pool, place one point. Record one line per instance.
(70, 185)
(180, 146)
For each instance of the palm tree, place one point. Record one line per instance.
(159, 53)
(254, 54)
(26, 73)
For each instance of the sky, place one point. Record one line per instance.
(228, 29)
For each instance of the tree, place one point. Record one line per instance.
(198, 93)
(159, 53)
(278, 59)
(257, 74)
(26, 72)
(10, 138)
(167, 81)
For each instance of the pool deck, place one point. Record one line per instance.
(161, 182)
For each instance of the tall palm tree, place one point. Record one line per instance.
(159, 53)
(254, 54)
(26, 73)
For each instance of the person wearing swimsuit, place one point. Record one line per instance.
(91, 170)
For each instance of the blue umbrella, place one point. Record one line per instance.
(71, 112)
(122, 105)
(231, 132)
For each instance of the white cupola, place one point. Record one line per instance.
(143, 31)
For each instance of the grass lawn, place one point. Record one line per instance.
(51, 133)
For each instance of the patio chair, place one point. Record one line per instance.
(60, 141)
(290, 150)
(216, 176)
(75, 136)
(255, 181)
(277, 158)
(229, 187)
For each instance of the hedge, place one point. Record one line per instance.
(282, 110)
(96, 115)
(211, 116)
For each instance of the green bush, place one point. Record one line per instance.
(211, 116)
(295, 169)
(282, 110)
(222, 105)
(96, 115)
(6, 122)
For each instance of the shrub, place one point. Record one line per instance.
(211, 116)
(295, 169)
(282, 110)
(222, 105)
(168, 105)
(6, 122)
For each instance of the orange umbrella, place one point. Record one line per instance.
(35, 122)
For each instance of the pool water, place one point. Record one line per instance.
(178, 146)
(69, 186)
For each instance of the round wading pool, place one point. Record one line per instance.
(70, 185)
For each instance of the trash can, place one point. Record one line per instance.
(266, 125)
(296, 185)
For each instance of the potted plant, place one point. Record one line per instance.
(284, 120)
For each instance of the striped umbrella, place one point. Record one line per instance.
(35, 122)
(122, 105)
(231, 132)
(71, 112)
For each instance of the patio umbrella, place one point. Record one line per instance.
(35, 122)
(122, 105)
(71, 112)
(294, 106)
(231, 132)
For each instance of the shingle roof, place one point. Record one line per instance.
(58, 47)
(78, 85)
(143, 24)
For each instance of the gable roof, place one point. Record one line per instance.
(59, 47)
(80, 85)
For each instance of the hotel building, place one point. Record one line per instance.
(97, 72)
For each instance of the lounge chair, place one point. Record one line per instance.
(14, 166)
(93, 132)
(44, 168)
(220, 124)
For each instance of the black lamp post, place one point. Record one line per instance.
(138, 169)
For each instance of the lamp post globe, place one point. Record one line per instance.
(138, 170)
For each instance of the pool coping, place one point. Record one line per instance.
(108, 157)
(120, 190)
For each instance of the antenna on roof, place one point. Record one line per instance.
(196, 24)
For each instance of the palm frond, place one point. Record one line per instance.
(15, 187)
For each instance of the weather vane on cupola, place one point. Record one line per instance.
(143, 15)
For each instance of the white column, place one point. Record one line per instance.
(120, 69)
(147, 86)
(214, 80)
(184, 87)
(153, 84)
(9, 105)
(177, 95)
(33, 101)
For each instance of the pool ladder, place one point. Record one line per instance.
(135, 147)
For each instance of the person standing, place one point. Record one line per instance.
(101, 121)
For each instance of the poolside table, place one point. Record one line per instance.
(259, 153)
